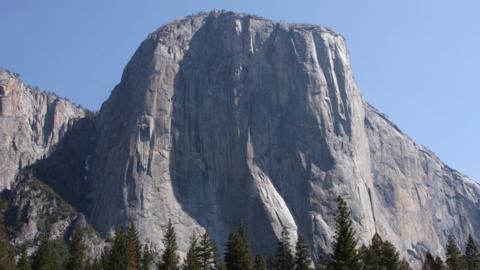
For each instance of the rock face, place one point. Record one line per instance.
(34, 207)
(52, 137)
(223, 117)
(31, 124)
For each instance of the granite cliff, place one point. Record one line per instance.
(32, 122)
(43, 135)
(223, 117)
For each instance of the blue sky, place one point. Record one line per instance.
(415, 60)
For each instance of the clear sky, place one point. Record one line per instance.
(415, 60)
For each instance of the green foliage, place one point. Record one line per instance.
(170, 259)
(284, 259)
(303, 260)
(345, 255)
(61, 254)
(105, 259)
(372, 256)
(472, 254)
(134, 248)
(24, 262)
(382, 255)
(455, 259)
(404, 265)
(259, 263)
(7, 251)
(221, 266)
(125, 252)
(118, 258)
(65, 208)
(147, 258)
(207, 252)
(77, 259)
(431, 263)
(96, 264)
(192, 260)
(45, 257)
(238, 255)
(390, 256)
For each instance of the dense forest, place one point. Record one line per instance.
(126, 252)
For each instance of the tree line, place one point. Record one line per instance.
(127, 253)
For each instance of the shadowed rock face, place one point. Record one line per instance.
(52, 137)
(222, 117)
(31, 124)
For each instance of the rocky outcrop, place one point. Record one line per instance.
(417, 200)
(31, 124)
(223, 117)
(35, 208)
(52, 138)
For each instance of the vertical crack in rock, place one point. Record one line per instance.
(221, 118)
(237, 118)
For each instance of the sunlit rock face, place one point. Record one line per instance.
(31, 124)
(34, 207)
(221, 118)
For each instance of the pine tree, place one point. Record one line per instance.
(439, 263)
(238, 255)
(303, 260)
(431, 263)
(382, 255)
(104, 260)
(221, 265)
(147, 258)
(61, 254)
(170, 260)
(372, 256)
(247, 260)
(404, 265)
(134, 248)
(455, 260)
(23, 262)
(96, 264)
(207, 252)
(390, 256)
(77, 251)
(472, 254)
(7, 251)
(345, 254)
(232, 252)
(259, 263)
(192, 260)
(284, 259)
(45, 257)
(118, 257)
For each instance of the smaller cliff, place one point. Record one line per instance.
(32, 122)
(45, 143)
(34, 208)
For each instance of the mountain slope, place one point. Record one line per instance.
(32, 123)
(34, 207)
(419, 200)
(224, 117)
(43, 136)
